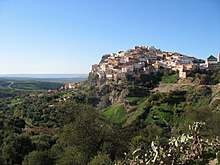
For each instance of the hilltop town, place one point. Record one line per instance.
(148, 59)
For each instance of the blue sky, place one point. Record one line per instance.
(68, 36)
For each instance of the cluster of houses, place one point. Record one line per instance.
(70, 86)
(147, 59)
(62, 89)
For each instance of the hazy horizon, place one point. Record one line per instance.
(41, 75)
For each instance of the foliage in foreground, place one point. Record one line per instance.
(185, 149)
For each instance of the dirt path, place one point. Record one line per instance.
(165, 88)
(31, 128)
(11, 83)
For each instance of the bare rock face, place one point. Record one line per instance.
(117, 96)
(215, 101)
(105, 102)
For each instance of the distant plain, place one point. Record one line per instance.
(38, 82)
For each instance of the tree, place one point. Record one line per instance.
(43, 142)
(38, 158)
(206, 115)
(90, 133)
(84, 135)
(15, 147)
(102, 159)
(216, 76)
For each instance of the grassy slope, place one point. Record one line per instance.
(170, 78)
(116, 113)
(137, 113)
(130, 99)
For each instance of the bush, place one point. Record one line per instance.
(102, 159)
(38, 158)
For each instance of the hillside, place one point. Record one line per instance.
(155, 118)
(141, 72)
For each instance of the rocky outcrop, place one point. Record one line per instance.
(118, 95)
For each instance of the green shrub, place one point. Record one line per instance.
(170, 78)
